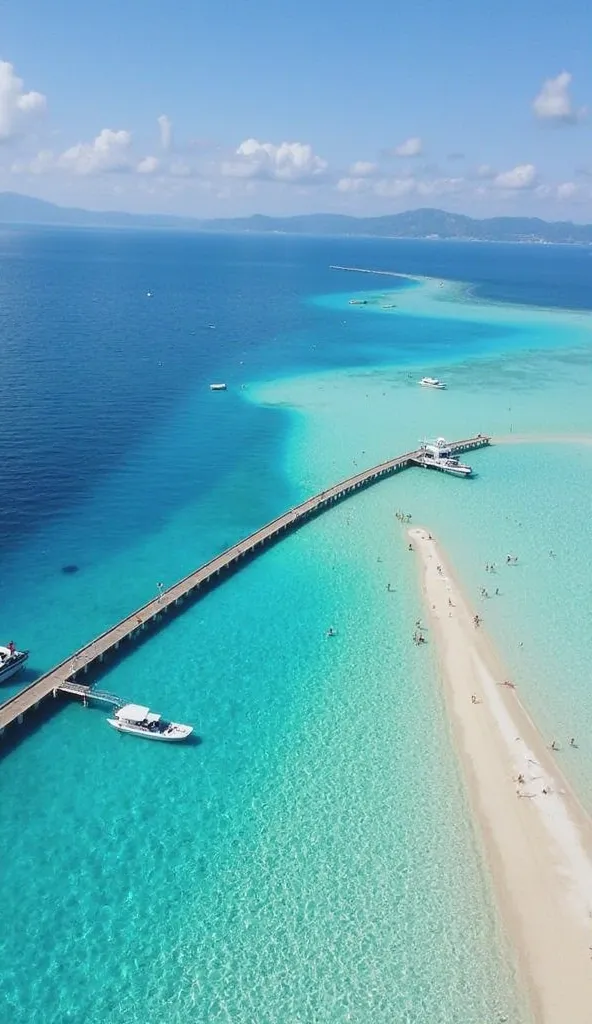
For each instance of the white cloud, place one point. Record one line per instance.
(363, 169)
(486, 171)
(394, 188)
(180, 169)
(353, 185)
(440, 186)
(290, 161)
(109, 151)
(165, 126)
(554, 102)
(43, 162)
(411, 147)
(521, 177)
(148, 165)
(567, 190)
(17, 108)
(564, 192)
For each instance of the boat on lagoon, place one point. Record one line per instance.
(138, 720)
(438, 455)
(11, 661)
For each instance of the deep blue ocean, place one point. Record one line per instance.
(92, 366)
(286, 868)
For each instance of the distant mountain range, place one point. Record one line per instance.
(425, 223)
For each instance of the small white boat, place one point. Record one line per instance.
(432, 382)
(140, 721)
(438, 455)
(217, 387)
(11, 661)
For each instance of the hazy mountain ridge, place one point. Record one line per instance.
(423, 223)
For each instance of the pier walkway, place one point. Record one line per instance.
(65, 677)
(368, 270)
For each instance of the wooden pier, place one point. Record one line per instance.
(65, 677)
(368, 270)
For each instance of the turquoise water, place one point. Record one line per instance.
(312, 858)
(304, 861)
(528, 499)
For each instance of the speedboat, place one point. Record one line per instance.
(11, 661)
(432, 382)
(140, 721)
(438, 455)
(217, 387)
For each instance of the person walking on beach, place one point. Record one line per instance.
(476, 621)
(555, 745)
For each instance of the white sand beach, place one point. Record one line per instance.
(536, 836)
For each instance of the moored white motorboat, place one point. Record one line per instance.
(11, 661)
(217, 387)
(438, 455)
(140, 721)
(432, 382)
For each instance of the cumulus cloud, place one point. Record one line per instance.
(567, 190)
(180, 169)
(521, 177)
(148, 165)
(165, 127)
(486, 171)
(363, 169)
(109, 151)
(290, 162)
(17, 108)
(554, 103)
(410, 147)
(353, 185)
(43, 162)
(396, 188)
(440, 186)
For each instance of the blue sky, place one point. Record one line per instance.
(218, 108)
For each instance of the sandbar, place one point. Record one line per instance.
(537, 839)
